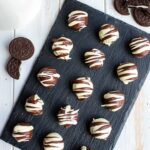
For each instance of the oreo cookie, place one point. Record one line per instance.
(121, 6)
(139, 3)
(21, 48)
(13, 67)
(141, 17)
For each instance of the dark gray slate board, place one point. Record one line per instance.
(104, 80)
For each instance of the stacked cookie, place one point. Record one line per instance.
(140, 10)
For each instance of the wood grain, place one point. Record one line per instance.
(37, 31)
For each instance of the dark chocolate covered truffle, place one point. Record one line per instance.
(48, 77)
(94, 58)
(67, 116)
(83, 88)
(140, 47)
(114, 100)
(23, 132)
(34, 105)
(62, 47)
(108, 34)
(127, 72)
(53, 141)
(78, 20)
(100, 128)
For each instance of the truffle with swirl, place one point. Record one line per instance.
(48, 77)
(94, 58)
(100, 128)
(108, 34)
(23, 132)
(78, 20)
(140, 47)
(83, 88)
(62, 47)
(67, 116)
(127, 72)
(114, 100)
(34, 105)
(53, 141)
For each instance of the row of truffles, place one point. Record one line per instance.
(62, 47)
(99, 128)
(108, 34)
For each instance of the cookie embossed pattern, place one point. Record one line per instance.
(61, 94)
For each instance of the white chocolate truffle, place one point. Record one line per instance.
(100, 128)
(53, 141)
(127, 72)
(83, 88)
(23, 132)
(94, 58)
(108, 34)
(85, 148)
(114, 100)
(140, 47)
(67, 116)
(48, 77)
(62, 48)
(78, 20)
(34, 105)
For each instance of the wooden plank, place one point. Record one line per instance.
(6, 84)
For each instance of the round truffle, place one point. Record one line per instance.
(140, 47)
(53, 141)
(108, 34)
(83, 88)
(127, 72)
(23, 132)
(67, 116)
(114, 100)
(94, 59)
(100, 128)
(62, 47)
(85, 148)
(34, 105)
(48, 77)
(78, 20)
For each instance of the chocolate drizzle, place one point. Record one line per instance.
(67, 116)
(78, 20)
(53, 141)
(140, 47)
(114, 100)
(48, 77)
(62, 47)
(83, 88)
(108, 34)
(23, 132)
(127, 72)
(94, 58)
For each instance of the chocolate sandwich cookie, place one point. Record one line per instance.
(141, 17)
(13, 67)
(121, 6)
(138, 3)
(21, 48)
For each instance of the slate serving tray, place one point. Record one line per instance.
(104, 80)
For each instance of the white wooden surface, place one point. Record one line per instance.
(136, 133)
